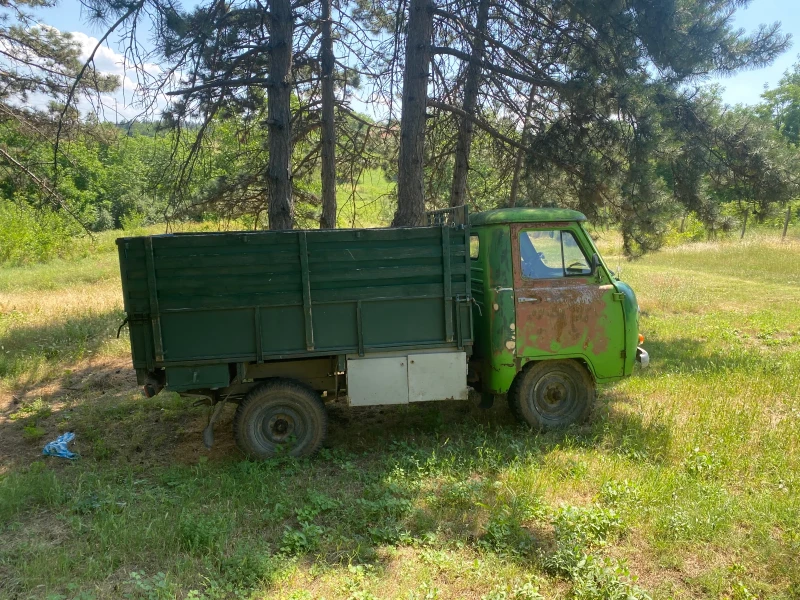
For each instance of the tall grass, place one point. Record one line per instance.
(29, 236)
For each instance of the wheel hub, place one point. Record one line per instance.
(554, 395)
(279, 427)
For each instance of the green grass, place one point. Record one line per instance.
(685, 483)
(371, 204)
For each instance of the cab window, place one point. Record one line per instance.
(549, 254)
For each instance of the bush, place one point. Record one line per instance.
(688, 229)
(28, 235)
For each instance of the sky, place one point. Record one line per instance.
(744, 88)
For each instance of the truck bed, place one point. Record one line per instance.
(223, 298)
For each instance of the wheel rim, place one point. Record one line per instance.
(280, 425)
(554, 396)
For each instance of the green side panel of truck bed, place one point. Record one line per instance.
(252, 296)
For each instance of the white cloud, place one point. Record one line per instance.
(130, 100)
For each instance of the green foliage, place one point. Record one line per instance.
(620, 495)
(106, 180)
(604, 579)
(202, 533)
(505, 535)
(579, 531)
(32, 432)
(41, 63)
(248, 568)
(586, 526)
(782, 105)
(28, 235)
(386, 506)
(505, 532)
(37, 409)
(507, 591)
(702, 465)
(302, 540)
(457, 495)
(704, 513)
(37, 486)
(155, 587)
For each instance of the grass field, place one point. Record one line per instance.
(685, 482)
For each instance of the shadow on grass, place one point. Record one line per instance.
(26, 347)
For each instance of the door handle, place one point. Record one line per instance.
(527, 299)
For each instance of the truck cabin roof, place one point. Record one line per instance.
(502, 216)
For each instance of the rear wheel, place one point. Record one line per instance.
(280, 416)
(552, 394)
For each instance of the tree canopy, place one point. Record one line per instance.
(271, 108)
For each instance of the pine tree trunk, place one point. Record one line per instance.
(512, 197)
(328, 219)
(458, 191)
(744, 225)
(411, 163)
(279, 104)
(526, 126)
(786, 222)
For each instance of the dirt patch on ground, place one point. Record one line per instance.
(89, 376)
(98, 399)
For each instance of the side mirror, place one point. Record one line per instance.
(595, 263)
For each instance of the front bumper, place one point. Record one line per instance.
(642, 357)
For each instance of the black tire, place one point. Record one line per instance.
(551, 394)
(280, 416)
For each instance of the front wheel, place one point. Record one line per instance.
(552, 394)
(280, 416)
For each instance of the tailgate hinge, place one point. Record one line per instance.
(623, 354)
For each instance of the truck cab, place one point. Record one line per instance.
(550, 318)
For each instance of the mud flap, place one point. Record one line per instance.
(208, 432)
(642, 357)
(487, 401)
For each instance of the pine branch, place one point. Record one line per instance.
(480, 123)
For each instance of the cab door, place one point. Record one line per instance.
(562, 309)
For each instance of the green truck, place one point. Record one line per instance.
(510, 301)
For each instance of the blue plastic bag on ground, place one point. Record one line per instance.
(58, 447)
